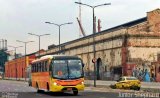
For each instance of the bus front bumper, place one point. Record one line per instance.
(59, 88)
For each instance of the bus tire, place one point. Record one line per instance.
(75, 92)
(47, 86)
(37, 87)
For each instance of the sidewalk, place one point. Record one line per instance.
(146, 86)
(18, 79)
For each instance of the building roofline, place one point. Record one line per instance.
(125, 25)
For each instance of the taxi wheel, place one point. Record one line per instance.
(75, 92)
(138, 88)
(135, 88)
(123, 87)
(132, 87)
(117, 87)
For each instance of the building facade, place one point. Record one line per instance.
(16, 68)
(126, 49)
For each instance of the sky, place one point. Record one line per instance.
(20, 17)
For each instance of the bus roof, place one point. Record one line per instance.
(55, 57)
(66, 57)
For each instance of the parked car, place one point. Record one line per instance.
(127, 82)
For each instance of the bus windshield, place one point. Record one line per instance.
(67, 69)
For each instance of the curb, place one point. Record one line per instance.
(155, 90)
(99, 86)
(15, 80)
(145, 89)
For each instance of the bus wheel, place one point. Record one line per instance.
(38, 91)
(75, 92)
(47, 86)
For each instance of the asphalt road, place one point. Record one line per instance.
(17, 89)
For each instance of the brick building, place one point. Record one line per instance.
(16, 68)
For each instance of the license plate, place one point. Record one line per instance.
(69, 89)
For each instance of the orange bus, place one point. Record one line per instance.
(58, 74)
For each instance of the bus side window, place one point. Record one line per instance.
(33, 67)
(39, 65)
(36, 67)
(50, 68)
(34, 70)
(45, 66)
(40, 68)
(42, 64)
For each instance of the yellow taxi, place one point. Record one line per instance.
(127, 82)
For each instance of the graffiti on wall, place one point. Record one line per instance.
(144, 73)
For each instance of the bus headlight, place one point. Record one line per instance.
(82, 83)
(54, 83)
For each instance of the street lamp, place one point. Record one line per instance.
(15, 48)
(39, 36)
(25, 43)
(0, 44)
(3, 44)
(94, 49)
(59, 26)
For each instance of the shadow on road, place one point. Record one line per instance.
(60, 94)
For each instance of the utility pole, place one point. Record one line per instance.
(39, 37)
(25, 44)
(94, 50)
(59, 27)
(80, 19)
